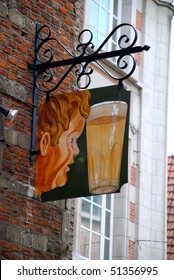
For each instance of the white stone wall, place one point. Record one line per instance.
(147, 136)
(152, 183)
(147, 144)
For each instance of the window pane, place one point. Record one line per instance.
(102, 38)
(98, 199)
(106, 3)
(96, 219)
(107, 224)
(86, 210)
(95, 247)
(84, 243)
(114, 37)
(106, 249)
(88, 197)
(104, 22)
(95, 37)
(108, 201)
(115, 7)
(86, 206)
(94, 15)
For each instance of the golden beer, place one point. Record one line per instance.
(105, 136)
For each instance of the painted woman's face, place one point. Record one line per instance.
(58, 158)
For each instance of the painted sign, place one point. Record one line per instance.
(80, 137)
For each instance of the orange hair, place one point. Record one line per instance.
(55, 115)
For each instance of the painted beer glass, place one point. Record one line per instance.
(105, 137)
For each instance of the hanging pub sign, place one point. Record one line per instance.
(82, 138)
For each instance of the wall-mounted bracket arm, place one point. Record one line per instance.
(46, 61)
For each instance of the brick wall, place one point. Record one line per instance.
(131, 255)
(30, 229)
(139, 25)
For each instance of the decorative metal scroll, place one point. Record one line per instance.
(45, 59)
(47, 69)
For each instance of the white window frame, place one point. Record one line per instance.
(103, 208)
(111, 15)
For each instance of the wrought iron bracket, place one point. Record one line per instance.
(45, 62)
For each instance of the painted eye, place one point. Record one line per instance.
(71, 140)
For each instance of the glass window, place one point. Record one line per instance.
(104, 15)
(96, 227)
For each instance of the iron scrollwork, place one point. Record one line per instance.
(47, 69)
(45, 58)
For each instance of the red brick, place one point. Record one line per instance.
(4, 244)
(16, 50)
(69, 6)
(2, 38)
(42, 222)
(14, 222)
(37, 212)
(68, 21)
(132, 212)
(2, 208)
(15, 248)
(7, 254)
(5, 24)
(4, 65)
(22, 66)
(32, 16)
(138, 58)
(26, 4)
(139, 20)
(11, 76)
(32, 219)
(131, 255)
(27, 251)
(4, 218)
(2, 72)
(12, 60)
(50, 10)
(41, 5)
(133, 175)
(63, 11)
(6, 32)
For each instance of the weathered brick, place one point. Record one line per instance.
(131, 255)
(5, 24)
(27, 239)
(133, 175)
(3, 231)
(11, 76)
(4, 65)
(29, 224)
(63, 11)
(3, 9)
(132, 212)
(40, 242)
(139, 20)
(3, 182)
(26, 4)
(14, 234)
(17, 18)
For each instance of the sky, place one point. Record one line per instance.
(170, 141)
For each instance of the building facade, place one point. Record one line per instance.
(137, 225)
(131, 224)
(170, 207)
(30, 229)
